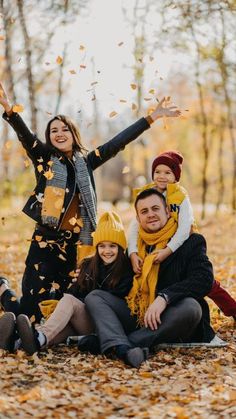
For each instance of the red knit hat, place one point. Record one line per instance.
(172, 159)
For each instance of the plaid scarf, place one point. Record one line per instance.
(54, 195)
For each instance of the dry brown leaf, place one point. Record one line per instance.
(40, 168)
(59, 60)
(42, 245)
(73, 221)
(18, 108)
(126, 169)
(48, 174)
(62, 257)
(41, 291)
(112, 114)
(72, 71)
(133, 86)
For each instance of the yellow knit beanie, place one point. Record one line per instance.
(110, 228)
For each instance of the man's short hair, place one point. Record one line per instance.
(148, 192)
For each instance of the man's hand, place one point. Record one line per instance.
(137, 263)
(165, 109)
(161, 255)
(152, 316)
(4, 101)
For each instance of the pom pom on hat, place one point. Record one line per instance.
(110, 228)
(172, 159)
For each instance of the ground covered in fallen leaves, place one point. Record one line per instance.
(175, 383)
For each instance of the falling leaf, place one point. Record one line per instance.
(72, 71)
(123, 101)
(41, 291)
(93, 83)
(62, 257)
(49, 113)
(42, 245)
(80, 222)
(59, 60)
(151, 58)
(47, 63)
(40, 168)
(82, 66)
(152, 91)
(93, 98)
(147, 99)
(134, 107)
(113, 113)
(48, 174)
(81, 47)
(120, 43)
(97, 152)
(72, 221)
(133, 86)
(18, 108)
(126, 169)
(56, 286)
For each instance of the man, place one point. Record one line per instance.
(176, 311)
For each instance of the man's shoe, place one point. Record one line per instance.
(136, 356)
(3, 281)
(89, 343)
(28, 335)
(7, 331)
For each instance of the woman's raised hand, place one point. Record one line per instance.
(165, 109)
(4, 101)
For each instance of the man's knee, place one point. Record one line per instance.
(192, 310)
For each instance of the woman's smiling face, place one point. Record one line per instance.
(61, 137)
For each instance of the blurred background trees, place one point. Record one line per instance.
(49, 66)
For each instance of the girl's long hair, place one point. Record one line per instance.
(89, 271)
(77, 146)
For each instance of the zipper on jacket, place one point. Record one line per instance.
(71, 197)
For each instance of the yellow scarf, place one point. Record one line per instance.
(143, 291)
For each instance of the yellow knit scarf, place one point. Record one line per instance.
(142, 293)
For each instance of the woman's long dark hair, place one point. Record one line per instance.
(89, 271)
(77, 146)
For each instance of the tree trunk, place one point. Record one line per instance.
(29, 70)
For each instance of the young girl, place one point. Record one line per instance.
(166, 172)
(63, 203)
(109, 270)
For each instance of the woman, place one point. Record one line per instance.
(63, 203)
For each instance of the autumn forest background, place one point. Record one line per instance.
(104, 63)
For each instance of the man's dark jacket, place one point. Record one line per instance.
(189, 273)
